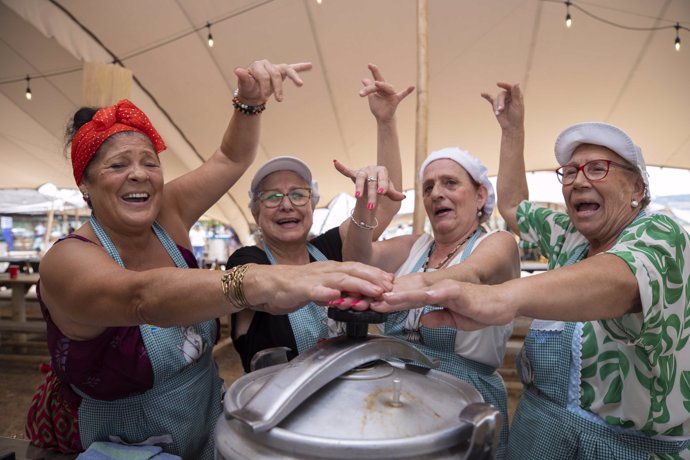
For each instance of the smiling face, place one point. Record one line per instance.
(285, 224)
(451, 199)
(125, 182)
(601, 209)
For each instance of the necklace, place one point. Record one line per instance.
(412, 325)
(448, 257)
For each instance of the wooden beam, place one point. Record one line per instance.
(105, 84)
(422, 115)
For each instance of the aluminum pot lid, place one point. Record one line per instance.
(372, 404)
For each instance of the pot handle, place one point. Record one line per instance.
(486, 421)
(313, 369)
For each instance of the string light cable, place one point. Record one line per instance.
(28, 94)
(210, 36)
(119, 60)
(210, 41)
(568, 21)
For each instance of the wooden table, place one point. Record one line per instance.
(18, 324)
(20, 286)
(20, 260)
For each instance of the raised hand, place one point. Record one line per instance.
(508, 105)
(370, 181)
(262, 79)
(383, 99)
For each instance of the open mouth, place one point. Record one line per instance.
(441, 211)
(288, 221)
(136, 197)
(587, 207)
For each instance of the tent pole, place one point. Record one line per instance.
(422, 121)
(49, 228)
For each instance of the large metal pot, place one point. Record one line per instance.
(340, 400)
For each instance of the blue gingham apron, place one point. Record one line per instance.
(309, 323)
(440, 343)
(180, 411)
(549, 423)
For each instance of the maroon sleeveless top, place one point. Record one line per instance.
(110, 366)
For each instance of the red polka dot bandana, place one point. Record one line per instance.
(123, 116)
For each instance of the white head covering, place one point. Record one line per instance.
(603, 134)
(474, 168)
(284, 163)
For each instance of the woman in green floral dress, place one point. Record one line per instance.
(606, 362)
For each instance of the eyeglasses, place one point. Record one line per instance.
(593, 170)
(273, 198)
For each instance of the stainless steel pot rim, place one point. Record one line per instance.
(282, 440)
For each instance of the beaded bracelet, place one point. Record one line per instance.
(363, 225)
(233, 288)
(244, 108)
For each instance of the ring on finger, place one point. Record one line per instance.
(371, 179)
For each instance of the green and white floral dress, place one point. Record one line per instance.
(617, 388)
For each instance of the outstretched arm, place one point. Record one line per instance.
(495, 260)
(162, 296)
(511, 183)
(610, 290)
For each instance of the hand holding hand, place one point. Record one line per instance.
(383, 100)
(262, 79)
(467, 306)
(508, 106)
(280, 289)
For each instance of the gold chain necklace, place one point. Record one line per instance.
(448, 257)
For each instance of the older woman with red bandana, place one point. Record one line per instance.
(129, 331)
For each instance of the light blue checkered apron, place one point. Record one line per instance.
(310, 323)
(180, 411)
(440, 343)
(549, 423)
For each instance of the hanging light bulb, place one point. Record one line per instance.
(210, 36)
(28, 88)
(319, 1)
(568, 19)
(677, 26)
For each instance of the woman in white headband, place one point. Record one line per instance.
(458, 198)
(283, 196)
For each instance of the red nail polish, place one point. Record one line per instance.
(370, 206)
(355, 303)
(381, 190)
(357, 194)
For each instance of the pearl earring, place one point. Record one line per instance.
(85, 196)
(480, 213)
(634, 204)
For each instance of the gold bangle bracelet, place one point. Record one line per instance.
(232, 284)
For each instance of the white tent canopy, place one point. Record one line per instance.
(592, 71)
(27, 201)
